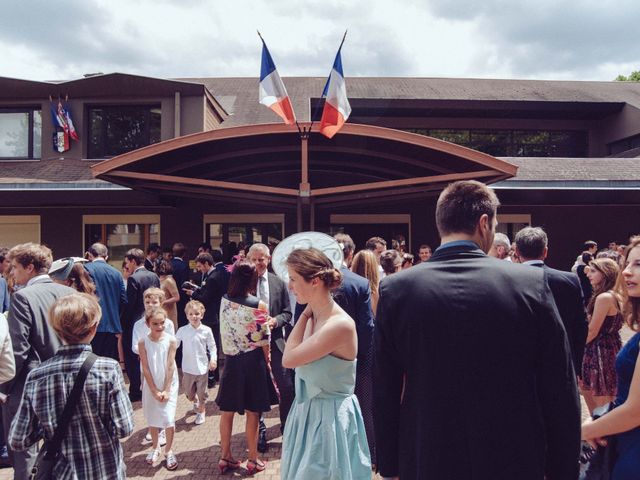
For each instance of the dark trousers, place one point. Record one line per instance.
(23, 461)
(105, 344)
(132, 365)
(284, 382)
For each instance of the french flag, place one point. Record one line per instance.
(273, 94)
(336, 106)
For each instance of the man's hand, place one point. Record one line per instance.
(187, 291)
(272, 322)
(212, 365)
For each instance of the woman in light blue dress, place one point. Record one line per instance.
(324, 437)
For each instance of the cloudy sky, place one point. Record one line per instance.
(539, 39)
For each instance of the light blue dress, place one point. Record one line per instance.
(324, 437)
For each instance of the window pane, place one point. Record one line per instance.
(115, 130)
(215, 235)
(14, 135)
(37, 134)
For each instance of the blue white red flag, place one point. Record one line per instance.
(72, 129)
(273, 94)
(336, 106)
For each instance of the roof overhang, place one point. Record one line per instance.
(361, 164)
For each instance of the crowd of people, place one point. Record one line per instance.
(455, 363)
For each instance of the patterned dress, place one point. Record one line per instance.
(598, 365)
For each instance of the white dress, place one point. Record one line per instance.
(159, 414)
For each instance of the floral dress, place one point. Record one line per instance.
(598, 366)
(246, 382)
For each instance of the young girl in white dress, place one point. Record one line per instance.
(160, 388)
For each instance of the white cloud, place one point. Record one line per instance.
(192, 38)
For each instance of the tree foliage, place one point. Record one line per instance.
(632, 77)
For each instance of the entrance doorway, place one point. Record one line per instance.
(362, 227)
(232, 233)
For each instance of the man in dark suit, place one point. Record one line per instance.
(180, 275)
(531, 247)
(272, 291)
(139, 280)
(34, 341)
(112, 296)
(210, 293)
(472, 371)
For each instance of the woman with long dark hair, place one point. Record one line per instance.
(598, 379)
(623, 422)
(245, 385)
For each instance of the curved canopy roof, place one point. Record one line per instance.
(361, 164)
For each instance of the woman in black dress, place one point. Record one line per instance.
(245, 386)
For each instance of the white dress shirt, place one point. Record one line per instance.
(195, 342)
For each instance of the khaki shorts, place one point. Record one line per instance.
(195, 385)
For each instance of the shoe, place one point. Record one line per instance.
(135, 398)
(162, 438)
(153, 456)
(147, 437)
(199, 418)
(4, 457)
(262, 441)
(224, 465)
(172, 461)
(255, 466)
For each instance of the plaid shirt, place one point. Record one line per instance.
(103, 415)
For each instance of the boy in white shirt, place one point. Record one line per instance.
(196, 339)
(153, 298)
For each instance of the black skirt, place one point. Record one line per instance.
(246, 384)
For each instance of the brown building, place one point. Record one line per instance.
(200, 160)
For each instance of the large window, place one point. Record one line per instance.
(118, 129)
(515, 143)
(16, 229)
(121, 233)
(20, 134)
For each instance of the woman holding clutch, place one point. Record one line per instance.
(245, 386)
(623, 422)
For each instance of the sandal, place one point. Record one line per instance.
(172, 461)
(255, 466)
(153, 456)
(224, 465)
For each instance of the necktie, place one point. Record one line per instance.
(263, 291)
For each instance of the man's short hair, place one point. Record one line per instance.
(154, 248)
(216, 254)
(346, 242)
(501, 240)
(531, 242)
(373, 243)
(179, 249)
(39, 256)
(136, 255)
(4, 251)
(461, 204)
(389, 260)
(194, 305)
(98, 250)
(424, 245)
(205, 246)
(259, 247)
(204, 258)
(589, 244)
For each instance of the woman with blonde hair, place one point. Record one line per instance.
(365, 264)
(623, 421)
(598, 380)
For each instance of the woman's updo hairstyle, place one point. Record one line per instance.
(244, 279)
(73, 316)
(311, 263)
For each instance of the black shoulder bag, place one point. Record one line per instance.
(50, 451)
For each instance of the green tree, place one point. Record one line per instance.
(633, 77)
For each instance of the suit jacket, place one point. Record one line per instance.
(279, 308)
(134, 308)
(4, 296)
(180, 272)
(354, 296)
(33, 340)
(210, 294)
(567, 295)
(489, 389)
(111, 294)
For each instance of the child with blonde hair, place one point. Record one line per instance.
(196, 339)
(160, 387)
